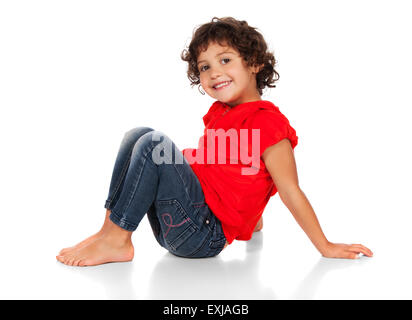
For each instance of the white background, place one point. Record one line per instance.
(76, 75)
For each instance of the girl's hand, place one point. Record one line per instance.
(259, 225)
(345, 251)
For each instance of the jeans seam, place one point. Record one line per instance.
(121, 222)
(122, 175)
(199, 248)
(180, 176)
(138, 179)
(185, 187)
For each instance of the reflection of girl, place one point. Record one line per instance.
(197, 209)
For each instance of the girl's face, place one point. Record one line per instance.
(225, 76)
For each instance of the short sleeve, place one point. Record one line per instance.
(274, 127)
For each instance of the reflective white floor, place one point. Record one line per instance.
(278, 263)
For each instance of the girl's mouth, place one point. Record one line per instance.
(222, 85)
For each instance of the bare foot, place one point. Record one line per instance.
(115, 245)
(89, 239)
(100, 251)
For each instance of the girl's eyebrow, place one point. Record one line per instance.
(217, 55)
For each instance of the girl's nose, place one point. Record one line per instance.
(215, 73)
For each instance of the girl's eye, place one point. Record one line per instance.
(202, 68)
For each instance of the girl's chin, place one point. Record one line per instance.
(224, 98)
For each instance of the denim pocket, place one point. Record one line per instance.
(176, 225)
(204, 216)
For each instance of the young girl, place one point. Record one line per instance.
(199, 201)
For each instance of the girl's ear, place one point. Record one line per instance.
(256, 69)
(261, 67)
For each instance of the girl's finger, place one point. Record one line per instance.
(359, 250)
(350, 255)
(365, 248)
(359, 245)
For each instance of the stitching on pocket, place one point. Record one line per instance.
(185, 226)
(179, 207)
(199, 204)
(170, 223)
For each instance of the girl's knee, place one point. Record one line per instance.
(161, 147)
(146, 138)
(156, 136)
(137, 132)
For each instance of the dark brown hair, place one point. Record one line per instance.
(239, 35)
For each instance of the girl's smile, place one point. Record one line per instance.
(222, 85)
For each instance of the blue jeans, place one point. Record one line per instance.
(170, 194)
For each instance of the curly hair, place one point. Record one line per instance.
(239, 35)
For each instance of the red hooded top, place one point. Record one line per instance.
(236, 197)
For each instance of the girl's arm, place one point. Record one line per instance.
(280, 162)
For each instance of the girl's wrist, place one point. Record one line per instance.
(324, 247)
